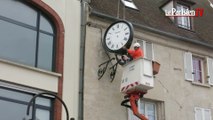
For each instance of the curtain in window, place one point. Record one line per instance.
(197, 69)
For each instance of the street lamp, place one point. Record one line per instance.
(47, 93)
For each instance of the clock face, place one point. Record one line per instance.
(119, 34)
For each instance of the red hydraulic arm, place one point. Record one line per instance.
(133, 98)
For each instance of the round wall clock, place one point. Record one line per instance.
(118, 35)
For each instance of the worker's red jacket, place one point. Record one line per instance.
(136, 53)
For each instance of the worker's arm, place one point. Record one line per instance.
(130, 51)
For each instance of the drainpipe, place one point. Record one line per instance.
(84, 4)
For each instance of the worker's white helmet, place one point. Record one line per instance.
(136, 45)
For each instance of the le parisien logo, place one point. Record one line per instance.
(198, 12)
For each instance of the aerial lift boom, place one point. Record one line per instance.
(133, 98)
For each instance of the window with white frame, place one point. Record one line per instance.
(147, 48)
(198, 69)
(146, 108)
(183, 22)
(202, 114)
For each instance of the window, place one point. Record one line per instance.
(183, 22)
(129, 4)
(198, 69)
(202, 114)
(146, 108)
(27, 35)
(147, 47)
(15, 106)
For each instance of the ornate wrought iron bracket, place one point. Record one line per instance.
(113, 72)
(103, 67)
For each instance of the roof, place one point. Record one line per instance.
(151, 15)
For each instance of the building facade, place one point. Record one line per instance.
(40, 52)
(182, 45)
(56, 47)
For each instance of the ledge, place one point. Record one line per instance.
(28, 76)
(30, 68)
(201, 84)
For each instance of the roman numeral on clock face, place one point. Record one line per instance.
(125, 39)
(112, 46)
(109, 43)
(126, 33)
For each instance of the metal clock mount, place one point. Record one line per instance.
(117, 36)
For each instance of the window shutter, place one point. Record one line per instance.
(188, 66)
(198, 114)
(141, 43)
(210, 70)
(147, 48)
(207, 114)
(149, 51)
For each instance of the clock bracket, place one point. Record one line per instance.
(104, 66)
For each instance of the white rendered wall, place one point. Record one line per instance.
(69, 11)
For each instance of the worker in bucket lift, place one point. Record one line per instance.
(136, 53)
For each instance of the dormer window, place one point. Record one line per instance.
(179, 12)
(183, 21)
